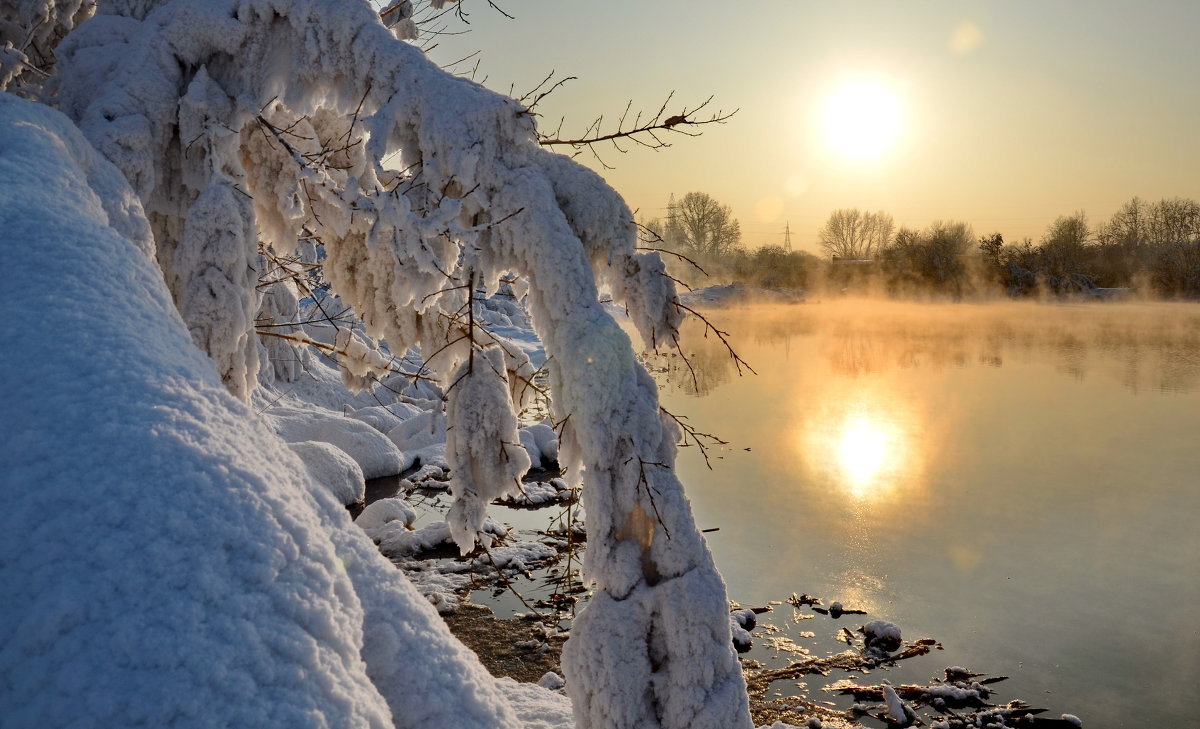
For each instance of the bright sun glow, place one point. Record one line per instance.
(866, 448)
(862, 120)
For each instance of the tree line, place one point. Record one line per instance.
(1152, 248)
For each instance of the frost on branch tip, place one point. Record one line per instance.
(485, 453)
(29, 32)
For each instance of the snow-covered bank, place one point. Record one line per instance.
(167, 560)
(411, 189)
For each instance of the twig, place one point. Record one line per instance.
(703, 441)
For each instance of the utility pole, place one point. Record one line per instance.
(787, 237)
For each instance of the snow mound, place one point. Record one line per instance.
(372, 451)
(382, 418)
(395, 539)
(541, 442)
(386, 511)
(331, 467)
(422, 437)
(220, 586)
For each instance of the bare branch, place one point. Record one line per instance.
(701, 440)
(644, 133)
(721, 335)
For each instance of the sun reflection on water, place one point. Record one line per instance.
(867, 448)
(867, 452)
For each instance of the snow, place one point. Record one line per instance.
(219, 585)
(384, 418)
(396, 539)
(213, 151)
(1072, 719)
(537, 706)
(897, 711)
(279, 308)
(742, 640)
(376, 515)
(481, 407)
(539, 493)
(552, 681)
(881, 637)
(958, 693)
(332, 468)
(422, 437)
(541, 442)
(374, 453)
(36, 24)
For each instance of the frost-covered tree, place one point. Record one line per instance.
(248, 124)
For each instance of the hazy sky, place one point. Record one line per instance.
(1003, 114)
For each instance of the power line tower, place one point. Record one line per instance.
(787, 237)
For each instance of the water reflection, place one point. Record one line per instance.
(946, 467)
(1145, 347)
(864, 448)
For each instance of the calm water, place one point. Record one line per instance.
(1019, 481)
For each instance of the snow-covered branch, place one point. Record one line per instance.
(248, 123)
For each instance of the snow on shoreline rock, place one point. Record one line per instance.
(536, 494)
(881, 637)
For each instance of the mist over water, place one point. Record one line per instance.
(1017, 480)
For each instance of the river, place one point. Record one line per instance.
(1019, 481)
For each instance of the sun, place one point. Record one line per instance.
(862, 120)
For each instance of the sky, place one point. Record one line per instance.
(1003, 114)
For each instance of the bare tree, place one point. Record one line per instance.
(701, 227)
(1175, 220)
(854, 234)
(953, 237)
(1129, 227)
(1068, 232)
